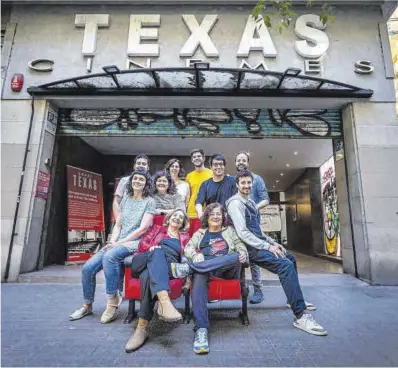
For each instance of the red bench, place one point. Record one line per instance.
(219, 289)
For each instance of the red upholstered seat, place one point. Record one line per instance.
(220, 289)
(132, 287)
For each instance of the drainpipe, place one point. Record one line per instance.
(32, 113)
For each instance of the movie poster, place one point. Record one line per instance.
(330, 211)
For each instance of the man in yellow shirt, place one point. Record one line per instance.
(196, 178)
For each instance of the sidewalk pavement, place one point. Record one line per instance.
(361, 320)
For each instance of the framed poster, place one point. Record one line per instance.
(85, 213)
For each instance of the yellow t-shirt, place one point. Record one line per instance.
(195, 179)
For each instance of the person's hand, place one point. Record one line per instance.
(109, 245)
(151, 249)
(242, 256)
(198, 257)
(278, 250)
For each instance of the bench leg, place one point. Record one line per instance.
(187, 309)
(245, 293)
(131, 312)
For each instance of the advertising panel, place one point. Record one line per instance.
(85, 213)
(330, 211)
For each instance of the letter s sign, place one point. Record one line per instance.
(364, 67)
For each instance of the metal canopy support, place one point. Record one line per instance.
(200, 82)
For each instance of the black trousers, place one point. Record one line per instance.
(153, 270)
(226, 267)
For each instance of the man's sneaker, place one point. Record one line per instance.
(257, 297)
(309, 306)
(201, 343)
(308, 324)
(180, 270)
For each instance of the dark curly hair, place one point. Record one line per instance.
(206, 214)
(172, 186)
(148, 183)
(172, 161)
(242, 174)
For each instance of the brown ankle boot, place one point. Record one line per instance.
(139, 336)
(166, 310)
(111, 311)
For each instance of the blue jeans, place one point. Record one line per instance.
(285, 268)
(111, 261)
(256, 277)
(225, 267)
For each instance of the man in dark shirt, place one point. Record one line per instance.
(218, 189)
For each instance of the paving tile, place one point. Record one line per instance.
(344, 307)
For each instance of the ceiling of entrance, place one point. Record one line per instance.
(270, 158)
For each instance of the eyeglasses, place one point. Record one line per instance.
(218, 165)
(217, 214)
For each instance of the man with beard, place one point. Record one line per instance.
(196, 178)
(217, 189)
(260, 197)
(267, 253)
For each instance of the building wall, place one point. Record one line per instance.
(43, 30)
(15, 121)
(370, 128)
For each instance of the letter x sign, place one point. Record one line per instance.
(199, 35)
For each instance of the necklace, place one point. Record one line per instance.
(173, 235)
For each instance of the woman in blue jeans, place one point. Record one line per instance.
(137, 210)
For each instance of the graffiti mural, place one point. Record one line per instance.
(191, 122)
(330, 210)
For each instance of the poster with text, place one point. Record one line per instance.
(330, 211)
(85, 213)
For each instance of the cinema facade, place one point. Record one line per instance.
(89, 84)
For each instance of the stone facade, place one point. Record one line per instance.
(370, 202)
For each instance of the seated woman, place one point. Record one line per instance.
(176, 171)
(214, 250)
(158, 249)
(165, 194)
(137, 210)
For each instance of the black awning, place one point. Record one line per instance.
(200, 80)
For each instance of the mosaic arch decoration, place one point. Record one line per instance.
(201, 122)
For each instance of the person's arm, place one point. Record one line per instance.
(188, 195)
(116, 205)
(236, 210)
(118, 197)
(262, 194)
(193, 244)
(239, 245)
(200, 199)
(145, 224)
(116, 229)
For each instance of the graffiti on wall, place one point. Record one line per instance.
(191, 122)
(330, 210)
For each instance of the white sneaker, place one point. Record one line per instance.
(201, 343)
(308, 324)
(180, 270)
(309, 306)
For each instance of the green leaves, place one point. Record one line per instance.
(283, 11)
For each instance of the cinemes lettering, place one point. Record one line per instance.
(82, 180)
